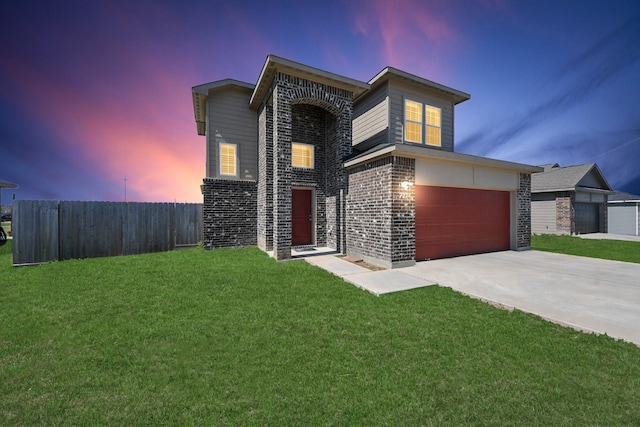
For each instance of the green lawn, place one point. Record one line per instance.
(230, 337)
(606, 249)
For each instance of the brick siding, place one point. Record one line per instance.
(265, 179)
(565, 213)
(311, 113)
(229, 213)
(523, 212)
(380, 214)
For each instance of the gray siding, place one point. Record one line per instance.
(543, 215)
(230, 120)
(398, 92)
(592, 180)
(623, 218)
(371, 117)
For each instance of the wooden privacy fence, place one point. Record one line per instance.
(46, 230)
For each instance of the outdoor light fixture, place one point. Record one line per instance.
(406, 184)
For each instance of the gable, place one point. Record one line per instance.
(594, 179)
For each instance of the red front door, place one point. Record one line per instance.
(301, 217)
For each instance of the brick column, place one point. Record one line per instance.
(265, 178)
(403, 213)
(523, 215)
(281, 173)
(565, 214)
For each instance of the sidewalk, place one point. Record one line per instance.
(607, 236)
(376, 282)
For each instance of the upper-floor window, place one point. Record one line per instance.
(418, 116)
(302, 155)
(413, 121)
(228, 159)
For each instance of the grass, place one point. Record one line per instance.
(230, 337)
(606, 249)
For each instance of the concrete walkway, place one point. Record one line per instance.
(607, 236)
(588, 294)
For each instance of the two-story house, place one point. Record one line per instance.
(306, 157)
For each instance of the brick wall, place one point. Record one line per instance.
(229, 213)
(523, 212)
(380, 215)
(403, 220)
(307, 112)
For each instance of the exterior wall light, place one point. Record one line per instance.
(406, 184)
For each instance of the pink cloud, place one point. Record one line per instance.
(146, 134)
(414, 35)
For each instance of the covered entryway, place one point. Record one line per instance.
(587, 218)
(460, 221)
(301, 217)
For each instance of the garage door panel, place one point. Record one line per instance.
(458, 221)
(587, 218)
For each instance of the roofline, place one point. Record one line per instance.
(624, 201)
(274, 63)
(415, 151)
(458, 95)
(576, 188)
(6, 184)
(204, 88)
(594, 190)
(552, 190)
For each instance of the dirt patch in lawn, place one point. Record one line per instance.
(361, 263)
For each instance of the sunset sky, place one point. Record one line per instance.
(93, 92)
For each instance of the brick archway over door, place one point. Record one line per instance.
(460, 221)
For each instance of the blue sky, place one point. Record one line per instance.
(93, 92)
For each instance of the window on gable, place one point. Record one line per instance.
(422, 119)
(412, 121)
(228, 159)
(302, 155)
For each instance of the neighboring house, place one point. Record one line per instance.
(306, 158)
(569, 200)
(623, 213)
(6, 184)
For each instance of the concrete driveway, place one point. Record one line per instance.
(588, 294)
(585, 293)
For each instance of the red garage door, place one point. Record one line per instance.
(460, 221)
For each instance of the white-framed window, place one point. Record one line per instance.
(422, 123)
(412, 121)
(302, 155)
(432, 125)
(228, 159)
